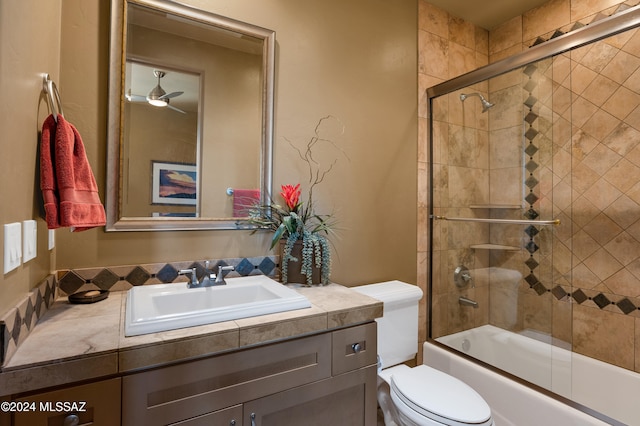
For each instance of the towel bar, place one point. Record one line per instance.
(53, 97)
(506, 221)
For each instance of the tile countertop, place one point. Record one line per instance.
(72, 343)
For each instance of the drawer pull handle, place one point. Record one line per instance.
(233, 423)
(71, 420)
(356, 347)
(253, 419)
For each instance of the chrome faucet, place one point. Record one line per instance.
(209, 278)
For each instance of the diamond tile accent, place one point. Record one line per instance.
(531, 85)
(531, 166)
(245, 267)
(531, 198)
(167, 274)
(531, 149)
(626, 306)
(531, 133)
(531, 263)
(559, 292)
(138, 276)
(28, 314)
(530, 69)
(105, 279)
(267, 266)
(579, 296)
(38, 306)
(538, 41)
(531, 247)
(531, 101)
(70, 282)
(531, 280)
(531, 231)
(531, 214)
(17, 323)
(540, 289)
(577, 26)
(601, 300)
(531, 182)
(531, 117)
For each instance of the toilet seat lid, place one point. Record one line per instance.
(441, 397)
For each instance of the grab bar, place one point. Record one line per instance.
(506, 221)
(53, 97)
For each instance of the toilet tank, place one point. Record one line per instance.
(398, 327)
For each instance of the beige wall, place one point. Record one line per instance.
(355, 60)
(29, 47)
(448, 47)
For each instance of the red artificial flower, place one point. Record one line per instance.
(291, 195)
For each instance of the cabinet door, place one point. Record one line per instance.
(96, 404)
(345, 400)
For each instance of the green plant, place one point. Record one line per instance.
(296, 220)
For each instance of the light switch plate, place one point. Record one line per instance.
(12, 246)
(29, 240)
(52, 239)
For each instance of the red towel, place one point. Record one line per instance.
(68, 186)
(244, 200)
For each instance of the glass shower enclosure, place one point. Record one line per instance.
(534, 171)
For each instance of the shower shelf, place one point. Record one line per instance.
(494, 247)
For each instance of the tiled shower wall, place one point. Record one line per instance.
(598, 245)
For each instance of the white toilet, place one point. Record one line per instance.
(421, 396)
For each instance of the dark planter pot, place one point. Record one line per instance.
(294, 274)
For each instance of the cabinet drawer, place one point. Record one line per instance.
(354, 348)
(183, 391)
(92, 404)
(231, 416)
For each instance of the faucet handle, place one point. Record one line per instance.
(220, 276)
(193, 273)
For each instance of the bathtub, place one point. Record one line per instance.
(611, 391)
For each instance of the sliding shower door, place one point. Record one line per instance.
(501, 175)
(534, 217)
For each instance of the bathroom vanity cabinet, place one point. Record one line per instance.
(323, 379)
(329, 378)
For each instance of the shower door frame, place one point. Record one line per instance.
(596, 31)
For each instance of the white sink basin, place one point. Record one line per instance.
(162, 307)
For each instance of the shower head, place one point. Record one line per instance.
(485, 103)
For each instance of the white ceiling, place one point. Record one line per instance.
(487, 14)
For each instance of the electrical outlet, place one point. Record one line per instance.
(12, 246)
(29, 240)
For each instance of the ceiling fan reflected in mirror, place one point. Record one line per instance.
(157, 96)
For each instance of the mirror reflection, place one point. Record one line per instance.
(190, 138)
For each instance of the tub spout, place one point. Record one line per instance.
(467, 302)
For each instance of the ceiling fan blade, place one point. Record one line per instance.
(137, 98)
(134, 98)
(176, 109)
(170, 95)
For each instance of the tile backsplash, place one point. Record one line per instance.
(19, 321)
(122, 278)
